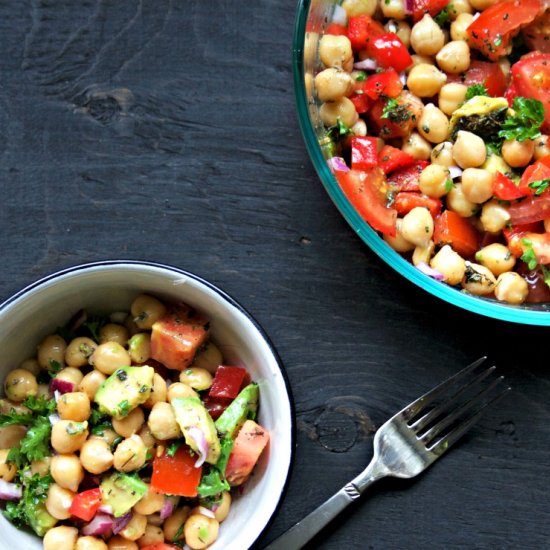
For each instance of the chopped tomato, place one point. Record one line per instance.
(492, 32)
(505, 189)
(361, 102)
(249, 445)
(519, 242)
(488, 74)
(86, 504)
(337, 29)
(176, 475)
(227, 382)
(388, 51)
(386, 83)
(510, 94)
(532, 209)
(538, 290)
(536, 34)
(215, 407)
(390, 159)
(422, 7)
(531, 78)
(362, 29)
(177, 336)
(405, 201)
(536, 172)
(406, 179)
(399, 122)
(452, 229)
(366, 190)
(364, 152)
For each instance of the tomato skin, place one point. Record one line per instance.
(227, 382)
(406, 179)
(215, 406)
(364, 152)
(421, 7)
(390, 159)
(452, 229)
(388, 51)
(86, 504)
(535, 172)
(361, 30)
(488, 74)
(336, 29)
(537, 35)
(176, 475)
(386, 83)
(361, 102)
(366, 192)
(405, 201)
(531, 78)
(505, 189)
(532, 209)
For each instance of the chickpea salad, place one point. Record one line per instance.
(437, 115)
(127, 431)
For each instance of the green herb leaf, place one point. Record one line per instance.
(212, 484)
(545, 274)
(36, 443)
(226, 445)
(540, 186)
(361, 76)
(443, 17)
(526, 122)
(476, 90)
(391, 105)
(529, 256)
(173, 447)
(339, 130)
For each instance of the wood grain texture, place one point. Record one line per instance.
(166, 131)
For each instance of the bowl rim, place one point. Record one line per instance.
(454, 296)
(229, 299)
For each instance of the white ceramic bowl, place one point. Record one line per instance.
(40, 308)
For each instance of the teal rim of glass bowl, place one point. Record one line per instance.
(531, 314)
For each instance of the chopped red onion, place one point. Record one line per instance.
(62, 386)
(338, 164)
(366, 65)
(10, 491)
(56, 395)
(476, 15)
(339, 15)
(105, 509)
(455, 172)
(200, 442)
(430, 271)
(409, 5)
(206, 512)
(167, 509)
(54, 419)
(100, 525)
(120, 523)
(403, 77)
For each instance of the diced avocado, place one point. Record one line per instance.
(191, 413)
(121, 492)
(480, 115)
(39, 519)
(234, 416)
(124, 390)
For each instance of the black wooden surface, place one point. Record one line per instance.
(166, 130)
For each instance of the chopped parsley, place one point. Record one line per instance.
(540, 186)
(529, 256)
(339, 130)
(545, 275)
(476, 90)
(526, 122)
(124, 408)
(212, 483)
(360, 76)
(390, 105)
(173, 448)
(448, 185)
(443, 17)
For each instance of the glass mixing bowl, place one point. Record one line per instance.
(312, 17)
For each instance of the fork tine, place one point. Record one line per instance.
(455, 414)
(431, 415)
(411, 410)
(448, 440)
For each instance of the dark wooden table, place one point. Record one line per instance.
(166, 131)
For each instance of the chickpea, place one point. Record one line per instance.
(60, 538)
(511, 287)
(423, 254)
(130, 424)
(450, 264)
(451, 96)
(209, 358)
(427, 38)
(393, 9)
(7, 406)
(359, 128)
(418, 226)
(442, 154)
(417, 147)
(402, 29)
(96, 456)
(146, 311)
(435, 180)
(433, 125)
(31, 365)
(90, 543)
(425, 80)
(460, 25)
(147, 436)
(70, 374)
(120, 543)
(153, 535)
(454, 57)
(109, 357)
(162, 422)
(481, 5)
(139, 347)
(7, 469)
(173, 524)
(11, 436)
(69, 436)
(478, 280)
(200, 531)
(494, 216)
(151, 503)
(51, 350)
(359, 7)
(41, 466)
(135, 529)
(457, 7)
(59, 501)
(398, 242)
(107, 435)
(518, 153)
(78, 351)
(335, 51)
(44, 391)
(199, 379)
(419, 59)
(114, 332)
(459, 203)
(469, 150)
(131, 326)
(222, 510)
(19, 384)
(541, 147)
(74, 406)
(91, 382)
(158, 392)
(67, 471)
(477, 184)
(497, 258)
(179, 389)
(332, 84)
(130, 455)
(342, 109)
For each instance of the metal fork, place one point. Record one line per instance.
(409, 442)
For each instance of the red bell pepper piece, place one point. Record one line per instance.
(361, 101)
(390, 159)
(364, 153)
(405, 201)
(228, 381)
(86, 504)
(388, 51)
(452, 229)
(505, 189)
(176, 475)
(362, 29)
(406, 179)
(386, 83)
(421, 7)
(337, 29)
